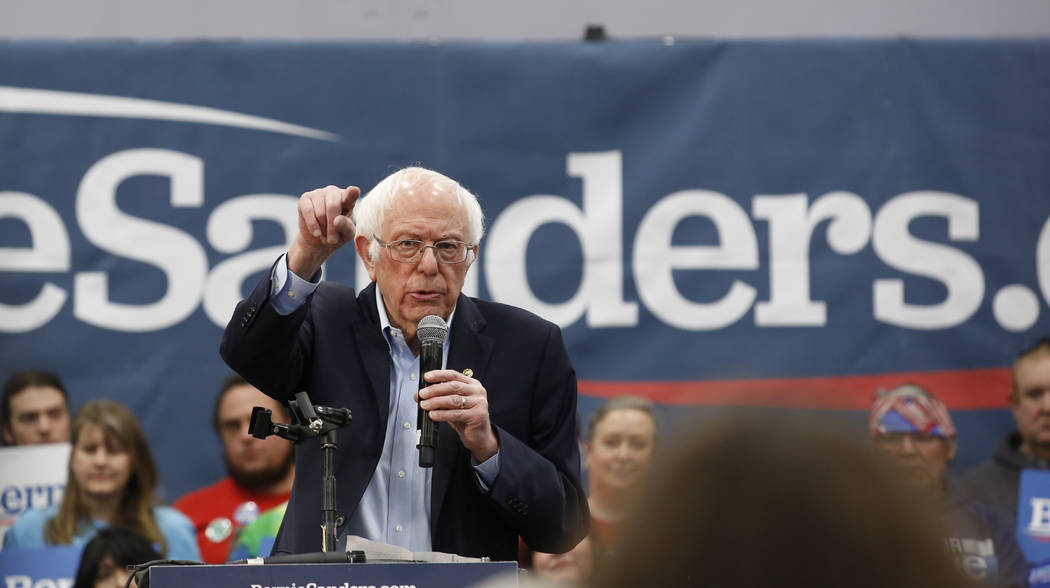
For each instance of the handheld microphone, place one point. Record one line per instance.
(431, 332)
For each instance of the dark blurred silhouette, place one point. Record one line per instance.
(756, 501)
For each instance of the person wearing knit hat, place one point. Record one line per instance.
(914, 430)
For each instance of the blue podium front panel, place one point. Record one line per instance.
(362, 575)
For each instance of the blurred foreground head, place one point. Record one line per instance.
(105, 559)
(758, 502)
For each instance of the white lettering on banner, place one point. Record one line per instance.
(23, 581)
(792, 220)
(959, 272)
(1040, 523)
(18, 581)
(655, 258)
(49, 252)
(1039, 574)
(176, 253)
(16, 499)
(599, 226)
(791, 226)
(230, 231)
(343, 585)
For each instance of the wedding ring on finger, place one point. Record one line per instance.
(462, 401)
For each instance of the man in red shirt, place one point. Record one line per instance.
(260, 472)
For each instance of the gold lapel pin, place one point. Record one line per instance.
(468, 373)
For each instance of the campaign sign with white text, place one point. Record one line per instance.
(30, 477)
(1039, 575)
(1033, 515)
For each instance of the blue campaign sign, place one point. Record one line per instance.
(1033, 515)
(747, 223)
(38, 567)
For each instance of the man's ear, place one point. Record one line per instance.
(8, 438)
(361, 243)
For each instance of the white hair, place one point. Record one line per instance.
(371, 209)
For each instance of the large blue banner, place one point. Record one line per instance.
(776, 224)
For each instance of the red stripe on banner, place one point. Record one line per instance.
(958, 389)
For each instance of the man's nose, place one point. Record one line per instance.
(45, 424)
(428, 262)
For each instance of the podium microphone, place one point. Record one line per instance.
(431, 332)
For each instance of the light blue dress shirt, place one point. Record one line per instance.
(395, 507)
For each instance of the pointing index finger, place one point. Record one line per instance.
(349, 199)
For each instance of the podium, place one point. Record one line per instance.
(332, 575)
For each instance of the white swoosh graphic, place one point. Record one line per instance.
(30, 100)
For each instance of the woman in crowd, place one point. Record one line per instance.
(620, 440)
(111, 481)
(105, 561)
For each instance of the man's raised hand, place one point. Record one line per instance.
(325, 224)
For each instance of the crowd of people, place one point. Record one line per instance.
(749, 501)
(719, 479)
(110, 489)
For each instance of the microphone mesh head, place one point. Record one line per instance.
(432, 329)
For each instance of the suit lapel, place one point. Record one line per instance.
(375, 355)
(470, 349)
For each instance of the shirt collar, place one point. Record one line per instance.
(384, 320)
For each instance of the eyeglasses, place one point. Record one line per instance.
(411, 250)
(899, 439)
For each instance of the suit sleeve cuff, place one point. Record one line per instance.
(486, 472)
(288, 291)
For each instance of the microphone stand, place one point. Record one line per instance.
(313, 421)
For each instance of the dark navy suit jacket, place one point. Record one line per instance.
(333, 348)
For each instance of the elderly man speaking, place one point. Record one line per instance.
(506, 462)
